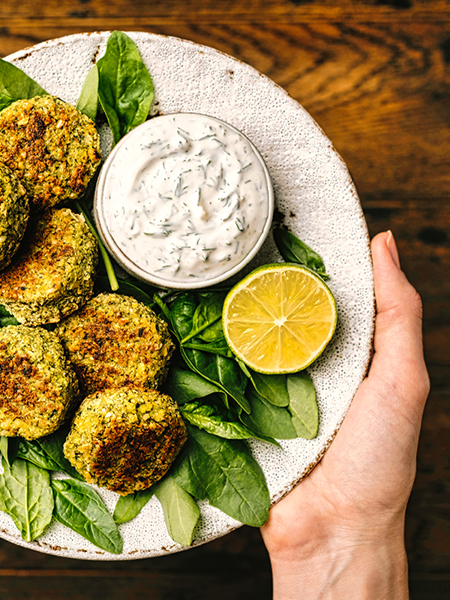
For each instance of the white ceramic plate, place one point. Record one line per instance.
(318, 200)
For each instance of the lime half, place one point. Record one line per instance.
(279, 318)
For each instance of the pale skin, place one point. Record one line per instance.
(340, 533)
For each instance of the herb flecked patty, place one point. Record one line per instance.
(115, 341)
(38, 388)
(125, 439)
(53, 273)
(51, 147)
(14, 210)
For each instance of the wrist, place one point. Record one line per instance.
(361, 566)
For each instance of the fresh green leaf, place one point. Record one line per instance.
(294, 250)
(213, 333)
(181, 511)
(185, 386)
(163, 306)
(225, 473)
(6, 318)
(259, 436)
(88, 100)
(52, 446)
(222, 371)
(220, 347)
(207, 318)
(210, 418)
(182, 314)
(16, 85)
(125, 86)
(9, 446)
(268, 419)
(26, 495)
(130, 506)
(303, 405)
(5, 321)
(32, 452)
(272, 387)
(4, 312)
(78, 506)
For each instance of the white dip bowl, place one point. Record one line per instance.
(184, 201)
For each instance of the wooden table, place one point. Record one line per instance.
(376, 76)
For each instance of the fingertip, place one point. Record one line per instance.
(388, 276)
(392, 288)
(382, 242)
(398, 331)
(392, 247)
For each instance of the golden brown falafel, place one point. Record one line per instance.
(51, 147)
(115, 341)
(14, 211)
(38, 388)
(125, 439)
(53, 272)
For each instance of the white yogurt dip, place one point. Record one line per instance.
(185, 199)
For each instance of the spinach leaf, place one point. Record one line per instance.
(213, 333)
(4, 312)
(272, 387)
(78, 506)
(222, 371)
(185, 386)
(302, 405)
(125, 87)
(212, 420)
(219, 347)
(130, 506)
(88, 100)
(225, 473)
(6, 318)
(16, 85)
(5, 321)
(182, 314)
(294, 250)
(207, 318)
(268, 419)
(162, 306)
(32, 452)
(9, 447)
(26, 495)
(181, 511)
(52, 446)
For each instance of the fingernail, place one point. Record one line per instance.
(392, 247)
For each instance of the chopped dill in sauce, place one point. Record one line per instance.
(188, 196)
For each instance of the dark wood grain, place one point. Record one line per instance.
(375, 74)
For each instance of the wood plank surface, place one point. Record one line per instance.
(376, 76)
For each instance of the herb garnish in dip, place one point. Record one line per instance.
(185, 198)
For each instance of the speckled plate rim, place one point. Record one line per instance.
(82, 549)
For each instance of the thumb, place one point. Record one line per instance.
(398, 359)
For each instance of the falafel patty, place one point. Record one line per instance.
(51, 147)
(14, 211)
(124, 439)
(116, 341)
(38, 388)
(53, 273)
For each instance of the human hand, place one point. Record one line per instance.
(339, 534)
